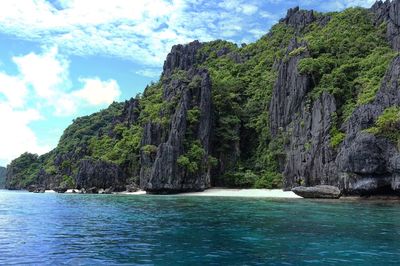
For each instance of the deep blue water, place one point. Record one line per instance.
(53, 229)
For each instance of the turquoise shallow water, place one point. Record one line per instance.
(53, 229)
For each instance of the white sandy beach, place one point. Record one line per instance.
(225, 192)
(249, 193)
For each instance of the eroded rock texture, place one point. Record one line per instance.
(389, 12)
(363, 164)
(160, 172)
(99, 174)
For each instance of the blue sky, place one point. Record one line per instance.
(62, 59)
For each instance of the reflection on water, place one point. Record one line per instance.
(119, 229)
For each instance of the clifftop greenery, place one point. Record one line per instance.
(347, 56)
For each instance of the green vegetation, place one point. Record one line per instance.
(25, 170)
(349, 57)
(388, 125)
(192, 160)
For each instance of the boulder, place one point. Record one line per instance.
(92, 190)
(320, 192)
(60, 189)
(132, 188)
(36, 189)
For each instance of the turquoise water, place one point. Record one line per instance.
(53, 229)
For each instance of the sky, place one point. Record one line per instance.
(61, 59)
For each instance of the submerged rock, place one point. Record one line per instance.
(320, 191)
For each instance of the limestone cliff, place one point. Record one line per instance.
(2, 177)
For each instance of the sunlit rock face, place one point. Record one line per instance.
(160, 171)
(363, 164)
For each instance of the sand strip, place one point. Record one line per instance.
(249, 193)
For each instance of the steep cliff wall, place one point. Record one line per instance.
(173, 167)
(364, 163)
(3, 171)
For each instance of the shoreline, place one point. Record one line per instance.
(244, 193)
(217, 192)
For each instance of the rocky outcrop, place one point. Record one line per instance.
(320, 192)
(99, 174)
(368, 163)
(389, 12)
(298, 19)
(160, 172)
(130, 113)
(310, 158)
(289, 91)
(304, 127)
(3, 172)
(36, 189)
(364, 164)
(182, 57)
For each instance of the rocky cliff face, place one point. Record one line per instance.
(3, 171)
(100, 174)
(189, 95)
(389, 12)
(364, 163)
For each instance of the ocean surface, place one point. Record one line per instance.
(56, 229)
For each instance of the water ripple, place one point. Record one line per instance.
(53, 229)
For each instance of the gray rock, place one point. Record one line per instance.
(182, 57)
(36, 189)
(60, 189)
(109, 190)
(160, 172)
(92, 190)
(389, 12)
(362, 163)
(321, 191)
(100, 174)
(132, 188)
(298, 19)
(289, 91)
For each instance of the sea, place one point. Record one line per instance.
(74, 229)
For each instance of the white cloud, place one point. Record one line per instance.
(16, 137)
(149, 72)
(140, 30)
(249, 9)
(48, 75)
(361, 3)
(43, 84)
(97, 92)
(13, 89)
(44, 72)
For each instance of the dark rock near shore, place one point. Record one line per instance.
(320, 191)
(36, 189)
(3, 173)
(92, 190)
(60, 189)
(132, 188)
(100, 174)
